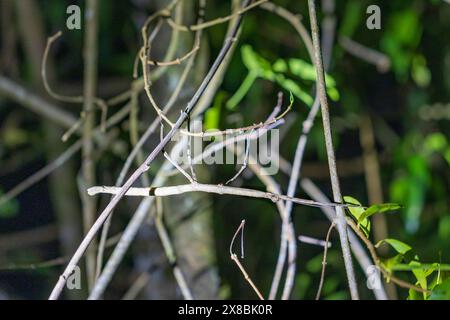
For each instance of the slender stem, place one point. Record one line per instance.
(170, 252)
(234, 257)
(341, 223)
(296, 23)
(324, 262)
(210, 188)
(90, 87)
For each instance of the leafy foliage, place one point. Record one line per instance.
(280, 73)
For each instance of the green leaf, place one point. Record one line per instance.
(307, 71)
(399, 246)
(447, 155)
(302, 69)
(378, 208)
(357, 212)
(441, 291)
(292, 86)
(435, 142)
(352, 18)
(420, 274)
(444, 227)
(333, 93)
(256, 64)
(302, 283)
(314, 265)
(280, 66)
(391, 264)
(212, 115)
(242, 91)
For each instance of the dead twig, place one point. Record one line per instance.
(235, 258)
(324, 261)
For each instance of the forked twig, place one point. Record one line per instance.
(244, 165)
(235, 258)
(324, 261)
(101, 104)
(211, 23)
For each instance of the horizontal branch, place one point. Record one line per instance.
(209, 188)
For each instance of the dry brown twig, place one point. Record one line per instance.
(324, 261)
(211, 23)
(235, 258)
(101, 104)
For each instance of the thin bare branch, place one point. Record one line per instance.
(330, 152)
(380, 60)
(170, 252)
(324, 261)
(235, 258)
(90, 87)
(216, 21)
(211, 188)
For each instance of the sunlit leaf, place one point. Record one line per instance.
(280, 66)
(378, 208)
(307, 71)
(296, 90)
(391, 263)
(435, 142)
(357, 212)
(212, 115)
(256, 64)
(242, 91)
(398, 245)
